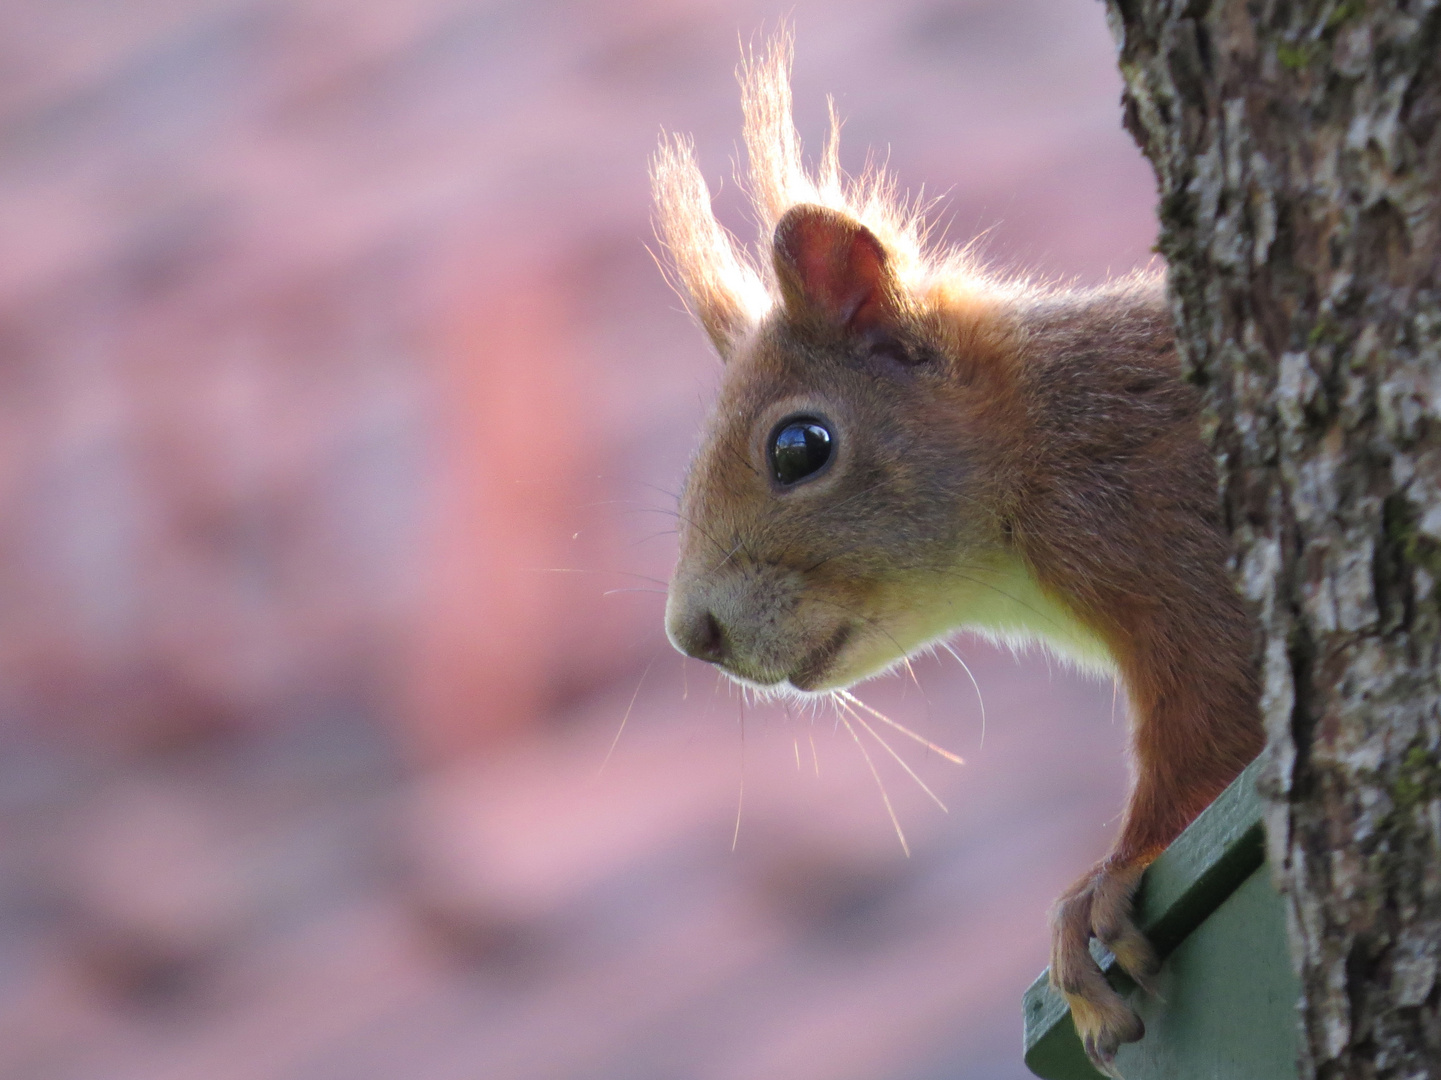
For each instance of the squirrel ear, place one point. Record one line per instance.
(834, 268)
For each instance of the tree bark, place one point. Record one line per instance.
(1298, 151)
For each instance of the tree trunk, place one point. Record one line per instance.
(1298, 150)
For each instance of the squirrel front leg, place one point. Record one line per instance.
(1195, 726)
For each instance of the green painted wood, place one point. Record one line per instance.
(1227, 998)
(1208, 906)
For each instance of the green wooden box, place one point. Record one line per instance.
(1227, 1003)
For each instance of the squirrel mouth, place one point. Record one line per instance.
(814, 667)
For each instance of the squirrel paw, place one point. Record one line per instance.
(1099, 906)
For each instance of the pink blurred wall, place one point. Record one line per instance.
(341, 406)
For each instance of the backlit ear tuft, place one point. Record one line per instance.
(833, 269)
(724, 290)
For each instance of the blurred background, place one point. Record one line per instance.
(341, 409)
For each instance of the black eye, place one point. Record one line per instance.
(801, 448)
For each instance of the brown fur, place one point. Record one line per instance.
(1021, 461)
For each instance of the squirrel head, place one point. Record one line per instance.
(849, 470)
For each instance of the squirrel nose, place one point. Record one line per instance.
(703, 637)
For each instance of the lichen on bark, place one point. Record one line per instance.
(1297, 148)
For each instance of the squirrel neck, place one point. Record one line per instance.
(1084, 406)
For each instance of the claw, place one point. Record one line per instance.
(1105, 1062)
(1099, 906)
(1104, 1023)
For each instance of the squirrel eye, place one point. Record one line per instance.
(800, 449)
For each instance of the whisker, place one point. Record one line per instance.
(895, 821)
(654, 487)
(636, 509)
(979, 698)
(714, 690)
(848, 696)
(729, 555)
(579, 570)
(628, 708)
(631, 505)
(741, 798)
(696, 526)
(613, 592)
(916, 679)
(796, 739)
(899, 760)
(654, 536)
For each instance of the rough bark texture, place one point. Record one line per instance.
(1298, 149)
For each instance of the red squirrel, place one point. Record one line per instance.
(905, 446)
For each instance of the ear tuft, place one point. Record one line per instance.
(724, 290)
(833, 269)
